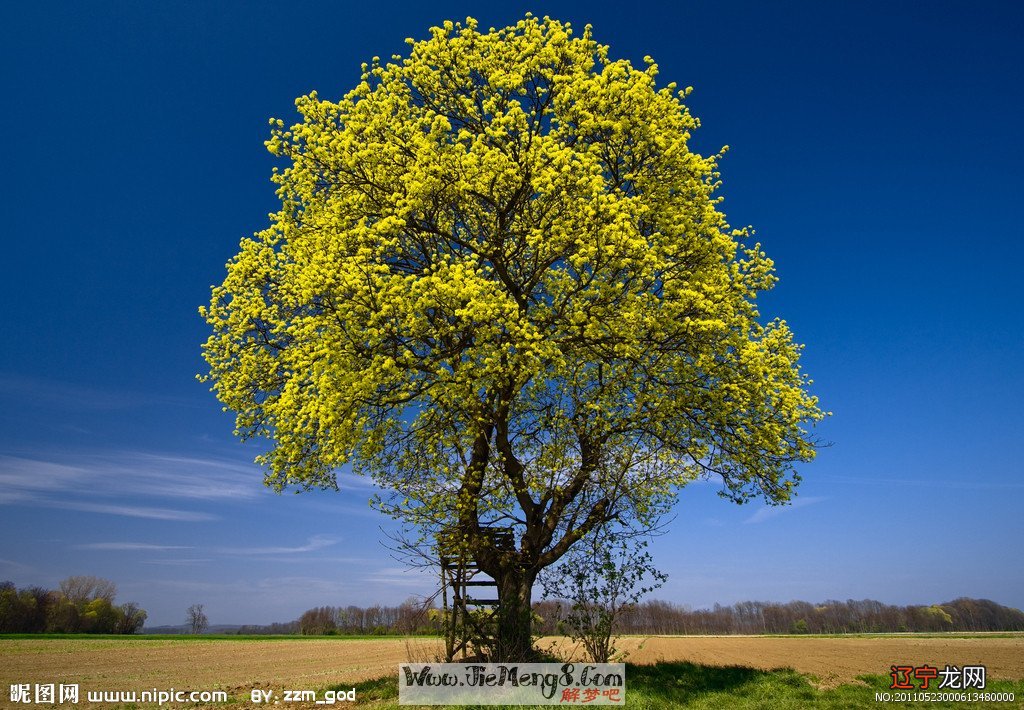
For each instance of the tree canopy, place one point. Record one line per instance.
(500, 283)
(82, 604)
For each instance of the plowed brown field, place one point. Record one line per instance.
(238, 666)
(835, 660)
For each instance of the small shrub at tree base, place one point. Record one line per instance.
(602, 578)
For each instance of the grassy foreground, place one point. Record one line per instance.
(687, 685)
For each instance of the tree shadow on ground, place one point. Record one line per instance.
(675, 684)
(661, 685)
(376, 689)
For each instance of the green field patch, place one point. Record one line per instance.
(663, 686)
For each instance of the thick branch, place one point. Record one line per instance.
(598, 515)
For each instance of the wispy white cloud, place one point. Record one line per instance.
(317, 542)
(276, 588)
(21, 478)
(123, 483)
(131, 511)
(175, 476)
(401, 577)
(176, 562)
(133, 473)
(57, 395)
(236, 590)
(13, 567)
(287, 585)
(360, 561)
(127, 546)
(351, 482)
(967, 483)
(771, 511)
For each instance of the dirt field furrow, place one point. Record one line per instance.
(241, 665)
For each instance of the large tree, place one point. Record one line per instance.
(500, 284)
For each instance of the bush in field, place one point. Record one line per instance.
(602, 579)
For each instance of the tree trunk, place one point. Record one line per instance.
(515, 615)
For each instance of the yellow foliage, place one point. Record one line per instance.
(506, 234)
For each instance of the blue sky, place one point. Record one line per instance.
(876, 147)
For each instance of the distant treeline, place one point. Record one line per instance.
(86, 605)
(410, 617)
(81, 605)
(830, 617)
(659, 617)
